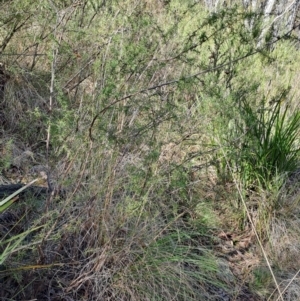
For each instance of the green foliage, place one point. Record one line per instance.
(262, 280)
(269, 147)
(130, 81)
(168, 263)
(4, 204)
(6, 154)
(265, 143)
(9, 246)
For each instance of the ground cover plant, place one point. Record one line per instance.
(167, 136)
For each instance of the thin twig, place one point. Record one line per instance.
(290, 282)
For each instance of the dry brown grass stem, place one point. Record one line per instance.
(287, 286)
(53, 68)
(167, 226)
(70, 198)
(253, 226)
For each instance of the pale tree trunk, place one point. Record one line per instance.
(285, 12)
(278, 15)
(209, 4)
(215, 5)
(267, 20)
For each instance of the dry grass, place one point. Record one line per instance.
(150, 208)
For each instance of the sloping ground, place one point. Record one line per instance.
(237, 253)
(141, 103)
(240, 262)
(42, 277)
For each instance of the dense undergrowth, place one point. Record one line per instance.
(175, 141)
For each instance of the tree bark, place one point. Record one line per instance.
(279, 16)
